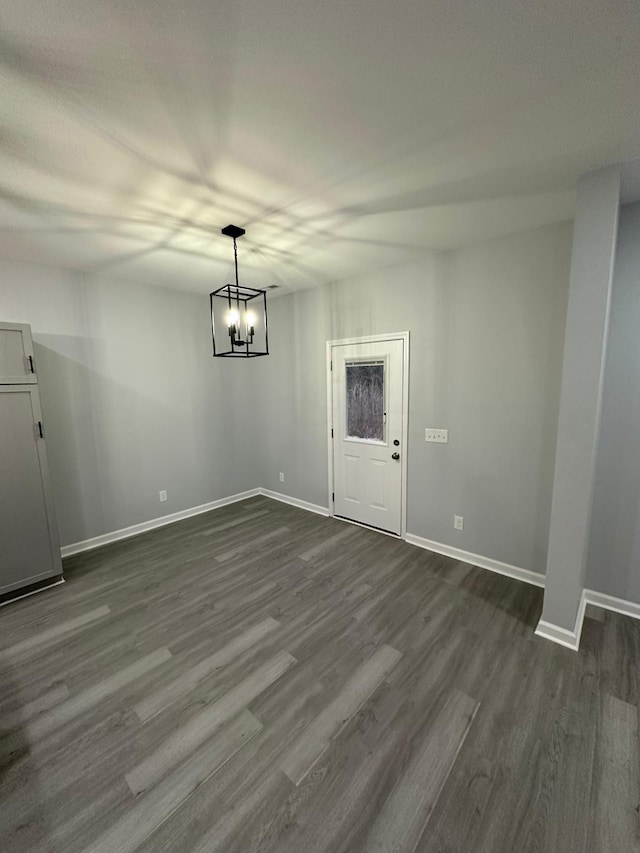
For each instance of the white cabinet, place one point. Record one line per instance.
(29, 545)
(17, 364)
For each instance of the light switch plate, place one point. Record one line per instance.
(441, 436)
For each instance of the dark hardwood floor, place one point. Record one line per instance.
(261, 678)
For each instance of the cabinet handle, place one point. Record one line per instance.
(40, 430)
(31, 367)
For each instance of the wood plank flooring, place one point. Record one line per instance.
(260, 678)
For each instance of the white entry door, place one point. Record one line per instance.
(367, 423)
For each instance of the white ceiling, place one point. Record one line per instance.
(344, 135)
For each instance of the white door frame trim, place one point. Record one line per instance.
(373, 339)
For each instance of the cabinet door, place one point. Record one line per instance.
(29, 547)
(16, 354)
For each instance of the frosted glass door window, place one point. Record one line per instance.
(365, 401)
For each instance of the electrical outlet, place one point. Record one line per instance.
(440, 436)
(458, 522)
(163, 495)
(281, 477)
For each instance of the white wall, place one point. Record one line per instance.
(487, 325)
(133, 402)
(614, 549)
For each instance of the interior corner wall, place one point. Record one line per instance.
(486, 330)
(613, 565)
(133, 401)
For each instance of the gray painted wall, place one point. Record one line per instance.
(133, 401)
(486, 326)
(614, 547)
(592, 261)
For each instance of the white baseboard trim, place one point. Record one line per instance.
(152, 524)
(610, 602)
(571, 639)
(563, 636)
(287, 499)
(515, 572)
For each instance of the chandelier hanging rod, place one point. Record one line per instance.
(234, 231)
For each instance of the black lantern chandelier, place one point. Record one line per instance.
(239, 314)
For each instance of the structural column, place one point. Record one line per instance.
(594, 244)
